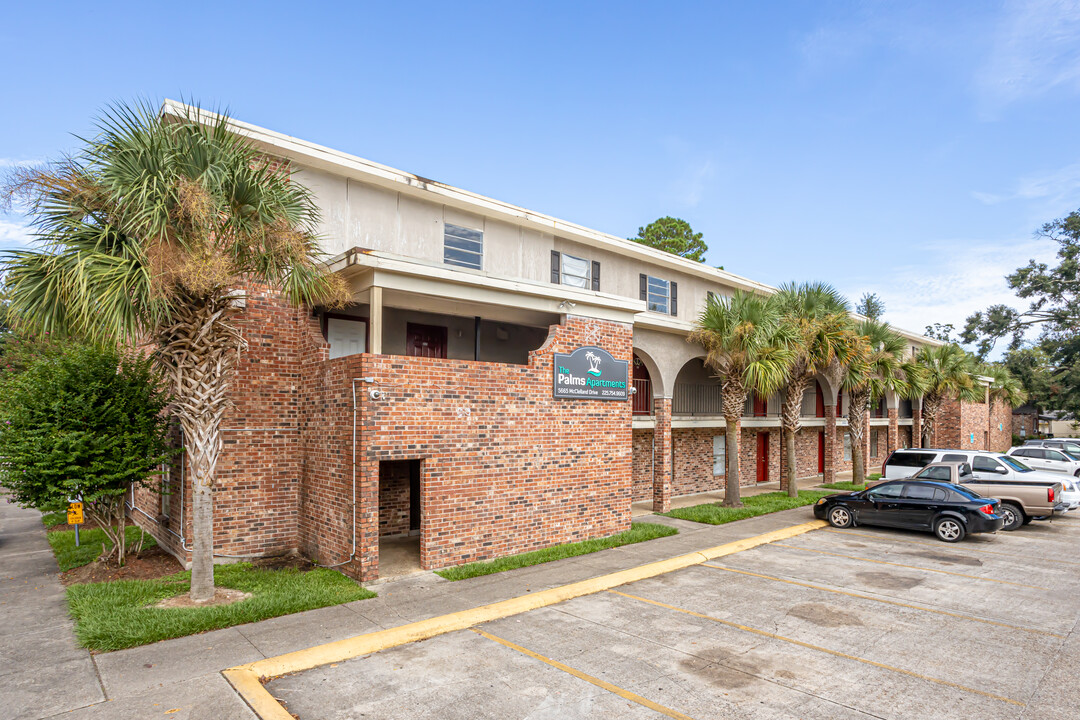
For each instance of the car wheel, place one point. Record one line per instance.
(1013, 515)
(840, 517)
(949, 529)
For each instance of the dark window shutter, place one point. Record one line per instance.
(556, 266)
(596, 275)
(644, 284)
(674, 298)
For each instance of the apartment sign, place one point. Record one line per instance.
(590, 373)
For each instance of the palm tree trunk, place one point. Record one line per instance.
(859, 401)
(199, 350)
(791, 421)
(930, 408)
(733, 397)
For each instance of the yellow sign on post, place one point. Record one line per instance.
(74, 513)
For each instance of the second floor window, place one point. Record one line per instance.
(659, 295)
(463, 246)
(574, 271)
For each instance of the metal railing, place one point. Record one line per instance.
(642, 400)
(693, 399)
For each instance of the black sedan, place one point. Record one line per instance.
(949, 511)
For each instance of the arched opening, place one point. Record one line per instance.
(643, 392)
(696, 391)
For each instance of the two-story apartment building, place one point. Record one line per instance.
(500, 382)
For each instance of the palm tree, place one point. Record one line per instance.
(818, 316)
(1004, 387)
(876, 368)
(748, 348)
(950, 374)
(147, 236)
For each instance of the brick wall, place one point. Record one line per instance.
(394, 497)
(258, 476)
(506, 468)
(693, 471)
(642, 465)
(1000, 427)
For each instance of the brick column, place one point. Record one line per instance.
(829, 476)
(916, 424)
(662, 455)
(893, 441)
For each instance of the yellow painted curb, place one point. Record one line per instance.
(246, 678)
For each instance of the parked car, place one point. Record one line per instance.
(1026, 494)
(1069, 445)
(1047, 458)
(950, 511)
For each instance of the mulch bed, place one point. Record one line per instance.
(150, 564)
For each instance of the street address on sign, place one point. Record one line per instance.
(590, 373)
(74, 513)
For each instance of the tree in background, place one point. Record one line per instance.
(148, 236)
(1032, 368)
(748, 348)
(870, 306)
(87, 422)
(941, 331)
(1004, 388)
(675, 236)
(817, 316)
(949, 373)
(878, 367)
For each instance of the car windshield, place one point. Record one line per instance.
(1014, 463)
(1069, 448)
(966, 492)
(1074, 456)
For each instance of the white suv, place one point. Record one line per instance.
(1047, 458)
(985, 465)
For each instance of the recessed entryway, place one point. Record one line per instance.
(763, 457)
(399, 517)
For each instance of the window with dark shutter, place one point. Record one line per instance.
(674, 298)
(596, 275)
(556, 265)
(644, 284)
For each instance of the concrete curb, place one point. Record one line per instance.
(247, 679)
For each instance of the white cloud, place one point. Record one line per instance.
(1056, 186)
(14, 234)
(1035, 49)
(952, 280)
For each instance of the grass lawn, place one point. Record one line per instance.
(714, 514)
(115, 615)
(68, 556)
(638, 532)
(852, 487)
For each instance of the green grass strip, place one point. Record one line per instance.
(714, 514)
(638, 532)
(849, 486)
(119, 614)
(52, 519)
(68, 556)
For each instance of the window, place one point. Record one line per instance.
(719, 455)
(911, 459)
(924, 492)
(659, 295)
(986, 464)
(847, 446)
(575, 271)
(463, 246)
(1055, 455)
(1015, 464)
(873, 443)
(935, 473)
(953, 457)
(892, 490)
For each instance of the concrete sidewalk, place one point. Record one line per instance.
(42, 670)
(183, 675)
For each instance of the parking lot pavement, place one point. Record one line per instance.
(830, 624)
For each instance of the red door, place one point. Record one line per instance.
(761, 406)
(821, 452)
(425, 340)
(763, 457)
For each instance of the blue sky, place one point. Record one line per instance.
(906, 148)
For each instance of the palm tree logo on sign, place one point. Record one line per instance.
(594, 363)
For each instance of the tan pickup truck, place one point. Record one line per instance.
(1021, 501)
